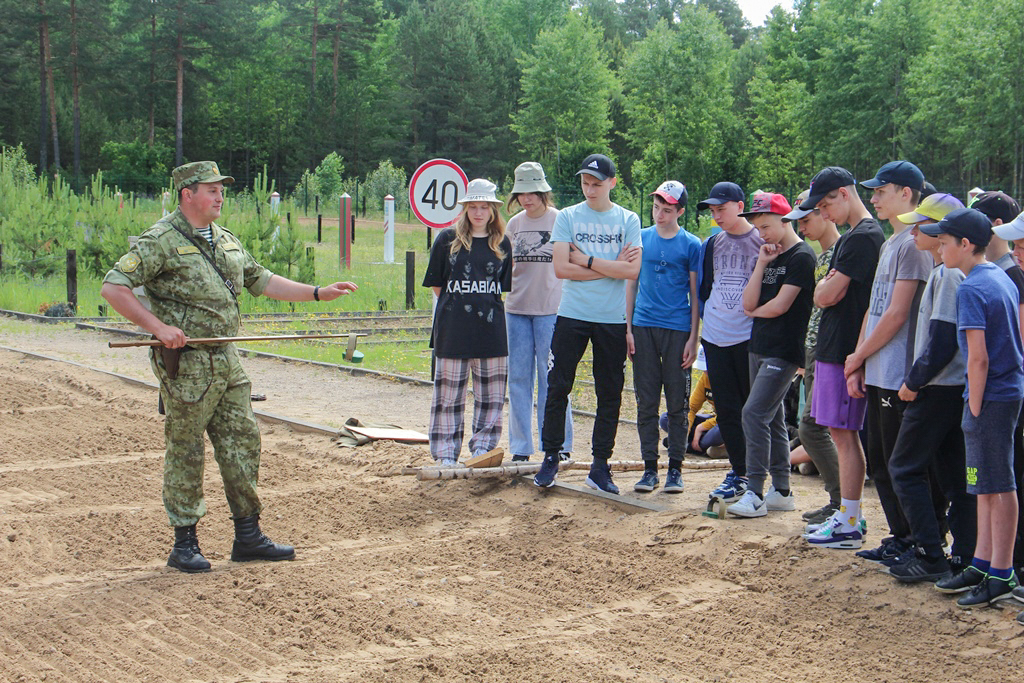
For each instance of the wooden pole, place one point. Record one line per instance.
(344, 233)
(226, 340)
(429, 473)
(72, 273)
(410, 280)
(319, 227)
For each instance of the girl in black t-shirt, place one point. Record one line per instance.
(470, 267)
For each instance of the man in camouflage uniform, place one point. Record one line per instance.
(191, 269)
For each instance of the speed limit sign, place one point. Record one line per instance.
(435, 190)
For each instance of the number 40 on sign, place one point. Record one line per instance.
(435, 190)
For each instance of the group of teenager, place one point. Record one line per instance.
(910, 349)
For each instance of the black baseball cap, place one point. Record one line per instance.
(997, 205)
(898, 173)
(967, 223)
(599, 166)
(827, 179)
(927, 189)
(721, 193)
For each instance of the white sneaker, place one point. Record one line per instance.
(750, 505)
(773, 500)
(449, 462)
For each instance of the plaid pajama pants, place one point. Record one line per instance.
(447, 411)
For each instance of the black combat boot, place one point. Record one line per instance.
(186, 554)
(251, 544)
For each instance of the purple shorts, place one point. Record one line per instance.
(831, 405)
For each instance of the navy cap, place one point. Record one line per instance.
(827, 179)
(967, 223)
(898, 173)
(722, 193)
(599, 166)
(997, 205)
(927, 189)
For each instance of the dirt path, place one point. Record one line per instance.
(399, 580)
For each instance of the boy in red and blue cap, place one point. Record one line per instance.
(778, 298)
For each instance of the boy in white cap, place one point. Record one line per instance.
(662, 329)
(596, 249)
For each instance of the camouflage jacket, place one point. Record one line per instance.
(183, 288)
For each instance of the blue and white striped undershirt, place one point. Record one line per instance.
(207, 233)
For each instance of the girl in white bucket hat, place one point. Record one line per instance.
(531, 309)
(470, 268)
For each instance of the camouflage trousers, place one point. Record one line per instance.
(210, 394)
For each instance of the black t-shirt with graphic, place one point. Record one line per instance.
(783, 336)
(469, 321)
(856, 256)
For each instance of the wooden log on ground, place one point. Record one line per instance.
(531, 467)
(430, 473)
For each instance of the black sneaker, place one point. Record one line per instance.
(565, 455)
(648, 482)
(1020, 618)
(990, 591)
(962, 582)
(1018, 593)
(674, 481)
(908, 554)
(545, 478)
(888, 550)
(600, 478)
(520, 458)
(920, 568)
(821, 514)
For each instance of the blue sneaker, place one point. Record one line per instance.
(731, 489)
(545, 478)
(648, 482)
(600, 478)
(831, 536)
(673, 481)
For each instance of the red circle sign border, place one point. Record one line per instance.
(412, 183)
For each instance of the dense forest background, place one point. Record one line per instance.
(671, 88)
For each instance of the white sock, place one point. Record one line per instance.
(849, 514)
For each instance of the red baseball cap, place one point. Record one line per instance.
(768, 202)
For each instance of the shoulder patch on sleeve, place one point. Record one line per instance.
(190, 249)
(231, 246)
(129, 262)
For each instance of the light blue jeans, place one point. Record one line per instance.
(529, 345)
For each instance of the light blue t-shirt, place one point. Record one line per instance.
(601, 234)
(987, 300)
(663, 288)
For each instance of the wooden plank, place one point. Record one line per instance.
(627, 503)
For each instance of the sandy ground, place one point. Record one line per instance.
(400, 580)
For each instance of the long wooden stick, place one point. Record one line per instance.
(427, 473)
(225, 340)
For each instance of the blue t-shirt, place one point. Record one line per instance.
(663, 287)
(987, 300)
(601, 234)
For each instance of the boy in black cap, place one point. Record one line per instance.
(988, 325)
(594, 253)
(843, 294)
(885, 348)
(727, 260)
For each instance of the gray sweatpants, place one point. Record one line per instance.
(816, 439)
(764, 422)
